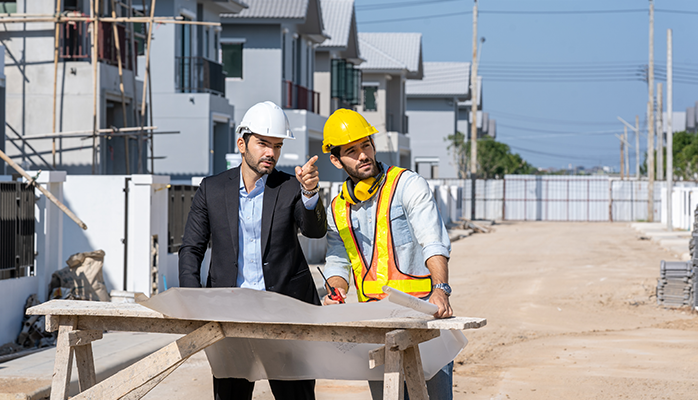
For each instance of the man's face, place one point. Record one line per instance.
(358, 159)
(260, 153)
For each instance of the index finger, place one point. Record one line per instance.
(311, 161)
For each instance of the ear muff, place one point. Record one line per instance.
(363, 190)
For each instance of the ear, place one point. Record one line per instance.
(335, 162)
(241, 145)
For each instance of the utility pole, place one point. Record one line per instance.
(474, 96)
(627, 154)
(622, 139)
(669, 130)
(660, 133)
(650, 122)
(637, 147)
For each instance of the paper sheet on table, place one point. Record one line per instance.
(256, 359)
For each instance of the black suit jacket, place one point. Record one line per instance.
(214, 215)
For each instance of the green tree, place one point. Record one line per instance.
(494, 158)
(685, 149)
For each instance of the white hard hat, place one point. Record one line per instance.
(266, 119)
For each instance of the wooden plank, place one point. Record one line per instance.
(393, 379)
(95, 308)
(85, 363)
(84, 337)
(63, 364)
(132, 324)
(138, 393)
(376, 357)
(305, 332)
(402, 339)
(414, 374)
(52, 323)
(149, 368)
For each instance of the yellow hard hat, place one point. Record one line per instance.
(345, 126)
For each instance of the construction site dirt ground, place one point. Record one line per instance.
(571, 313)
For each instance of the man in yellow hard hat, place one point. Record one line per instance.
(386, 228)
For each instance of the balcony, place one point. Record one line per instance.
(199, 75)
(75, 44)
(297, 97)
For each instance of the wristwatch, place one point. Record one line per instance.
(443, 286)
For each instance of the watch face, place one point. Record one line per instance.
(445, 287)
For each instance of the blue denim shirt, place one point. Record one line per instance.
(418, 230)
(250, 271)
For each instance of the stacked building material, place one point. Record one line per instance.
(675, 287)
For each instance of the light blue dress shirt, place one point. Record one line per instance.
(250, 272)
(418, 230)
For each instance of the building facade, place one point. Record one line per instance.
(391, 59)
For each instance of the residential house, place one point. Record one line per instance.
(268, 53)
(337, 76)
(189, 91)
(486, 126)
(2, 107)
(433, 111)
(391, 59)
(29, 67)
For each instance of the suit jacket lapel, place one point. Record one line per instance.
(232, 205)
(271, 192)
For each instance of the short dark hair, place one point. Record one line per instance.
(246, 137)
(336, 150)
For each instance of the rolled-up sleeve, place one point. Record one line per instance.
(424, 217)
(337, 261)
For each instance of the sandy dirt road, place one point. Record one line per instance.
(571, 315)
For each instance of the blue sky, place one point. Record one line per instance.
(585, 66)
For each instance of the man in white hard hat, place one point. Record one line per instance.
(250, 214)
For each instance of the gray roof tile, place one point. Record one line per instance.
(336, 15)
(385, 51)
(442, 79)
(292, 9)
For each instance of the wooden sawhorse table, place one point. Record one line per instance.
(79, 323)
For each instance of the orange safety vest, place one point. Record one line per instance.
(384, 269)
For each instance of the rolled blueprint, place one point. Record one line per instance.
(405, 300)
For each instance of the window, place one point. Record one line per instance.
(346, 81)
(8, 6)
(370, 93)
(232, 59)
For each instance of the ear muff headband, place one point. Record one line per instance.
(363, 190)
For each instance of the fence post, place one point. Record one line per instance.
(504, 198)
(610, 200)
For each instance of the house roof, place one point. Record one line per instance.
(392, 51)
(292, 9)
(442, 79)
(308, 11)
(337, 17)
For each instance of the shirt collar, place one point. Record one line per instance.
(260, 183)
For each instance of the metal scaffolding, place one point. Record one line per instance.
(143, 129)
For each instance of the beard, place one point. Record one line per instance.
(256, 165)
(359, 175)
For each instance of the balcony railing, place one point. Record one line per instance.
(199, 75)
(75, 43)
(297, 97)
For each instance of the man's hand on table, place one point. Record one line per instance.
(439, 298)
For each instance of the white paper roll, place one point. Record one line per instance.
(405, 300)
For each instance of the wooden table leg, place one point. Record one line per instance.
(86, 366)
(63, 364)
(414, 374)
(150, 368)
(393, 378)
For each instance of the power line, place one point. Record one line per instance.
(557, 155)
(523, 12)
(413, 18)
(502, 114)
(402, 4)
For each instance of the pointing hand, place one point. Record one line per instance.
(307, 175)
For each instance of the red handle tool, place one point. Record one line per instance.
(334, 294)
